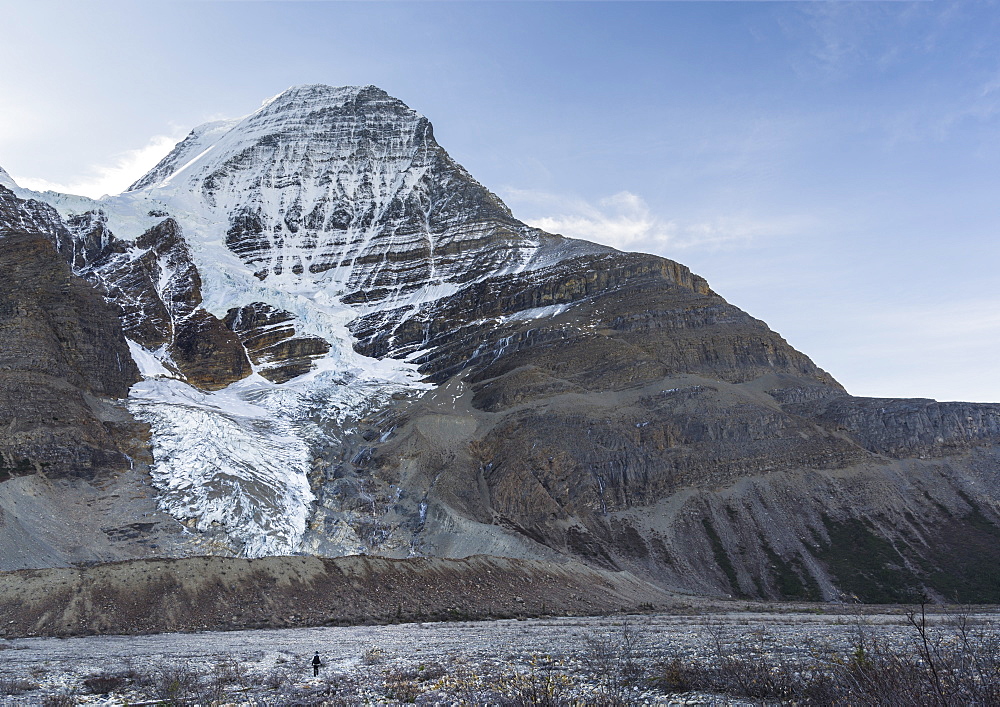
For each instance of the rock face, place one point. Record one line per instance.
(268, 334)
(31, 216)
(345, 186)
(158, 287)
(651, 426)
(437, 378)
(63, 360)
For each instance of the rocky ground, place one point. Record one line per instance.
(633, 659)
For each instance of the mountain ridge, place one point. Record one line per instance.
(348, 345)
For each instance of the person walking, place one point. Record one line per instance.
(316, 662)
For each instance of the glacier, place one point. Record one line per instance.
(330, 204)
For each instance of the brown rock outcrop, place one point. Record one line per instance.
(628, 318)
(63, 359)
(269, 336)
(208, 354)
(159, 291)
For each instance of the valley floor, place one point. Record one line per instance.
(708, 658)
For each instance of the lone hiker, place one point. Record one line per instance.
(316, 662)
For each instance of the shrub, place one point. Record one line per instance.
(16, 686)
(951, 666)
(229, 671)
(103, 684)
(614, 660)
(58, 701)
(544, 684)
(175, 683)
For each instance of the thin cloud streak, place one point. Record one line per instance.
(113, 178)
(625, 221)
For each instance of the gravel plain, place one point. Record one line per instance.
(431, 663)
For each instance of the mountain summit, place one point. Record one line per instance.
(347, 345)
(347, 188)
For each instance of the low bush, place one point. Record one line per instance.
(59, 701)
(16, 686)
(612, 659)
(104, 683)
(176, 683)
(956, 665)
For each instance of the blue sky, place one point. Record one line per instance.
(830, 167)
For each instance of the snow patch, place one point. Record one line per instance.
(538, 313)
(149, 365)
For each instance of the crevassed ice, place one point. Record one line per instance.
(237, 460)
(227, 463)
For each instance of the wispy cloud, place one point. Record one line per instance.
(113, 178)
(933, 64)
(846, 40)
(837, 40)
(968, 108)
(625, 221)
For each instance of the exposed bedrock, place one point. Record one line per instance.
(644, 423)
(875, 532)
(593, 321)
(703, 486)
(208, 354)
(31, 216)
(152, 281)
(904, 427)
(269, 336)
(156, 284)
(63, 362)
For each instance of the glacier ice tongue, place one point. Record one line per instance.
(227, 463)
(238, 460)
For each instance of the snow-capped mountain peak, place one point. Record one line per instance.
(241, 263)
(344, 188)
(6, 180)
(191, 147)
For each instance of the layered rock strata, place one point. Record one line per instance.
(64, 359)
(577, 402)
(348, 187)
(269, 336)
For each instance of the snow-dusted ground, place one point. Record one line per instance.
(366, 664)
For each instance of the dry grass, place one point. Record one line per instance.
(951, 665)
(957, 663)
(16, 686)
